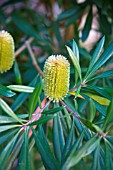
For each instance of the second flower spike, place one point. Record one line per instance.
(6, 51)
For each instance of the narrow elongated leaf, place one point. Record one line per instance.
(23, 96)
(6, 151)
(75, 49)
(46, 155)
(68, 13)
(109, 114)
(87, 27)
(42, 134)
(103, 75)
(3, 138)
(101, 109)
(52, 111)
(8, 110)
(103, 58)
(7, 127)
(75, 61)
(73, 18)
(85, 150)
(68, 157)
(96, 54)
(80, 126)
(99, 99)
(104, 91)
(69, 143)
(15, 152)
(4, 91)
(84, 53)
(58, 138)
(91, 126)
(25, 26)
(108, 156)
(77, 92)
(34, 99)
(92, 110)
(98, 161)
(24, 160)
(20, 88)
(42, 120)
(6, 119)
(17, 74)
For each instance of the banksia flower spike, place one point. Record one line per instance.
(6, 51)
(56, 77)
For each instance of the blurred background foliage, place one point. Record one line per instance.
(50, 25)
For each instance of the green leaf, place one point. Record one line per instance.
(77, 92)
(104, 91)
(34, 99)
(91, 126)
(98, 161)
(96, 54)
(24, 159)
(75, 49)
(73, 18)
(87, 27)
(6, 136)
(75, 61)
(23, 96)
(84, 53)
(92, 110)
(6, 119)
(101, 109)
(8, 110)
(102, 59)
(58, 139)
(109, 114)
(4, 91)
(47, 157)
(17, 74)
(99, 99)
(42, 120)
(68, 144)
(52, 111)
(25, 26)
(6, 152)
(7, 127)
(20, 88)
(15, 152)
(85, 150)
(105, 74)
(68, 13)
(108, 156)
(72, 149)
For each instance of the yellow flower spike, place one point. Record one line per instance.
(56, 77)
(6, 51)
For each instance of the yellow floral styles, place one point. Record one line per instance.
(6, 51)
(56, 77)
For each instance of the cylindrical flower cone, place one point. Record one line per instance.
(56, 77)
(6, 51)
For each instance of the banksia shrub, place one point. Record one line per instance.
(56, 77)
(6, 51)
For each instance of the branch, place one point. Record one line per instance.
(69, 110)
(23, 47)
(33, 59)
